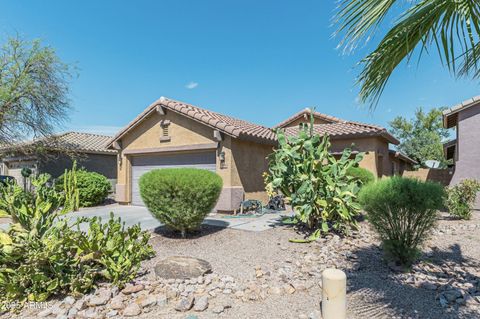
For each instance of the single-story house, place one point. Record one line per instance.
(170, 133)
(464, 150)
(55, 154)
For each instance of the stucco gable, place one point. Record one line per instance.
(228, 125)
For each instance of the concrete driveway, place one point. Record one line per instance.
(132, 215)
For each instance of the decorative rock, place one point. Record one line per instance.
(289, 289)
(102, 297)
(460, 301)
(132, 310)
(429, 286)
(275, 290)
(218, 309)
(91, 313)
(117, 303)
(178, 267)
(443, 301)
(201, 304)
(45, 313)
(112, 313)
(130, 289)
(72, 312)
(80, 304)
(69, 300)
(146, 301)
(185, 304)
(452, 295)
(162, 300)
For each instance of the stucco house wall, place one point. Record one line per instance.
(144, 139)
(467, 164)
(241, 148)
(250, 161)
(375, 150)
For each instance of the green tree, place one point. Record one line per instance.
(34, 87)
(449, 27)
(421, 136)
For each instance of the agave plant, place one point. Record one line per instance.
(315, 183)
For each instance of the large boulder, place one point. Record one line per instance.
(179, 267)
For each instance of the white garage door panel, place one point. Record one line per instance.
(144, 164)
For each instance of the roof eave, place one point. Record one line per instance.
(228, 130)
(134, 123)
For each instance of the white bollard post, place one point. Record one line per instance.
(334, 294)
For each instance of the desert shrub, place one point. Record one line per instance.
(93, 188)
(461, 197)
(43, 253)
(180, 198)
(362, 175)
(403, 211)
(314, 182)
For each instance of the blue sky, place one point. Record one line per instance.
(256, 60)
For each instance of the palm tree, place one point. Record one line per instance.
(449, 27)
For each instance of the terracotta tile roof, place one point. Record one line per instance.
(346, 130)
(74, 141)
(237, 128)
(224, 123)
(306, 113)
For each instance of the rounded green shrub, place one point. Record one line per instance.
(361, 174)
(403, 211)
(461, 197)
(93, 188)
(180, 198)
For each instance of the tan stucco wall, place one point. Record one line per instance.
(248, 156)
(250, 163)
(182, 131)
(376, 158)
(442, 176)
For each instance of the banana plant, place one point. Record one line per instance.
(314, 182)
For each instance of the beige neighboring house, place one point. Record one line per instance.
(55, 154)
(170, 133)
(373, 140)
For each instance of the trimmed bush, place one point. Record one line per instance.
(364, 176)
(403, 211)
(93, 188)
(180, 198)
(461, 197)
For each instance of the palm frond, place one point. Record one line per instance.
(359, 19)
(452, 26)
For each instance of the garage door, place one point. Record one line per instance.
(15, 170)
(144, 164)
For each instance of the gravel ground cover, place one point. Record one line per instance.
(263, 275)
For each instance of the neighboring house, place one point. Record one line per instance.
(373, 140)
(465, 149)
(54, 155)
(169, 133)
